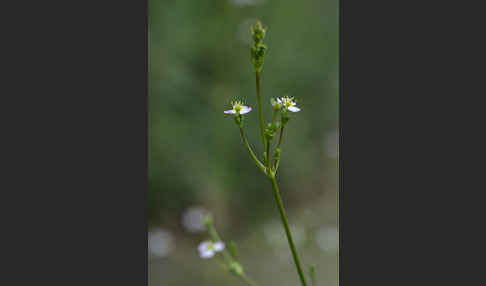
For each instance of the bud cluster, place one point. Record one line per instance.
(258, 49)
(271, 129)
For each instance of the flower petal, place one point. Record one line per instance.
(294, 109)
(206, 254)
(203, 246)
(245, 109)
(232, 111)
(218, 246)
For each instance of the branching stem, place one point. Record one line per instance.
(252, 154)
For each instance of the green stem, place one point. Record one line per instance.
(260, 112)
(268, 156)
(215, 237)
(277, 161)
(253, 156)
(275, 112)
(287, 229)
(268, 160)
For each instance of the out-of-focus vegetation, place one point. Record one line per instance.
(199, 60)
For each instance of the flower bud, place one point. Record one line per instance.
(275, 104)
(258, 49)
(236, 268)
(258, 32)
(207, 220)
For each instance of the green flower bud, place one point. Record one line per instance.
(239, 119)
(277, 154)
(275, 104)
(271, 129)
(258, 32)
(258, 49)
(207, 220)
(236, 268)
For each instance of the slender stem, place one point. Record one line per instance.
(275, 112)
(287, 229)
(245, 142)
(260, 112)
(268, 156)
(277, 161)
(281, 136)
(215, 237)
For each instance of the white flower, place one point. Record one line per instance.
(238, 107)
(207, 248)
(289, 103)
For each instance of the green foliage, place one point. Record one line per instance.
(197, 62)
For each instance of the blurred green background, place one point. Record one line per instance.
(199, 60)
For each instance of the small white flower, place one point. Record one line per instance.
(207, 248)
(238, 107)
(289, 103)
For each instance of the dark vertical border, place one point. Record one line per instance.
(77, 177)
(395, 83)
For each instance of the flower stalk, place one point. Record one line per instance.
(284, 104)
(285, 223)
(252, 154)
(229, 262)
(281, 106)
(260, 113)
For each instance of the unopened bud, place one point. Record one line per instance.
(207, 220)
(236, 268)
(258, 49)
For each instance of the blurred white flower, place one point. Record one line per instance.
(160, 242)
(238, 107)
(289, 103)
(207, 248)
(192, 219)
(328, 238)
